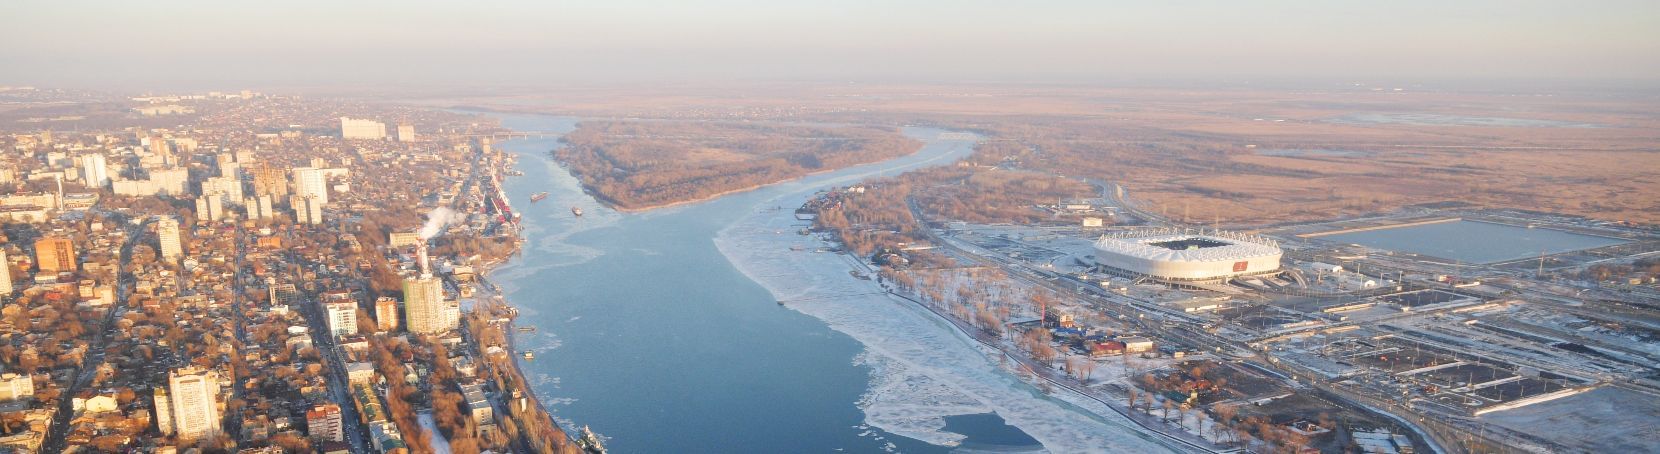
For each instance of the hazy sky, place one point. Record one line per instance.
(139, 43)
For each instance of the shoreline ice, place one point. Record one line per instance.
(922, 369)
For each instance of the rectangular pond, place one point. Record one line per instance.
(1473, 241)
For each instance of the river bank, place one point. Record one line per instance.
(648, 322)
(925, 371)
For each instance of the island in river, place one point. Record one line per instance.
(640, 165)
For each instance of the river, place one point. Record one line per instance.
(649, 334)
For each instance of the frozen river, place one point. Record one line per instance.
(648, 332)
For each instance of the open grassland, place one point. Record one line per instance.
(640, 165)
(1252, 156)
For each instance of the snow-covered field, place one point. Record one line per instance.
(923, 369)
(1607, 419)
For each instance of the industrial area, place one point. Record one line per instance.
(1426, 330)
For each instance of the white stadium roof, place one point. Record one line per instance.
(1176, 256)
(1144, 247)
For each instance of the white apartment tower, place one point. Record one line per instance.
(406, 132)
(307, 210)
(164, 412)
(170, 181)
(351, 128)
(167, 233)
(226, 187)
(342, 317)
(265, 211)
(210, 208)
(258, 207)
(311, 182)
(195, 400)
(5, 275)
(95, 168)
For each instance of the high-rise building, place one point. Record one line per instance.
(406, 132)
(258, 207)
(95, 168)
(55, 255)
(265, 211)
(5, 275)
(423, 305)
(307, 210)
(227, 188)
(230, 169)
(270, 181)
(311, 182)
(250, 208)
(322, 422)
(210, 208)
(342, 317)
(164, 412)
(386, 314)
(450, 314)
(167, 233)
(170, 181)
(284, 294)
(351, 128)
(195, 398)
(160, 148)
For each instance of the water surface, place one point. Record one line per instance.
(1426, 119)
(1474, 242)
(648, 334)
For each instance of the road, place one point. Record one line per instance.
(94, 358)
(311, 309)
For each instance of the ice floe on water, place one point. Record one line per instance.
(911, 404)
(923, 370)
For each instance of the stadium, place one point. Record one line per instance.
(1176, 257)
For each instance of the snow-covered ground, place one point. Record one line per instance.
(439, 444)
(1608, 419)
(923, 369)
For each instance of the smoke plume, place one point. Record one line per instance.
(436, 221)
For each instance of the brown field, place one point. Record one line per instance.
(640, 165)
(1200, 151)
